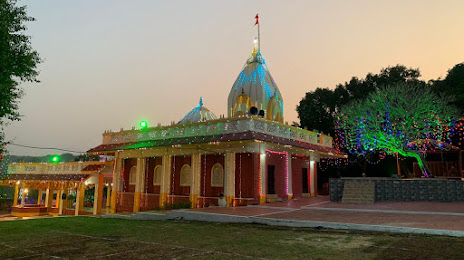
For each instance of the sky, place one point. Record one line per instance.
(109, 64)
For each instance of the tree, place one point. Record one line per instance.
(407, 119)
(317, 110)
(18, 61)
(452, 85)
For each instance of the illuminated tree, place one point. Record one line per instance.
(403, 118)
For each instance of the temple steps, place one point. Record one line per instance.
(270, 198)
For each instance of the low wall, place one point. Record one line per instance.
(390, 189)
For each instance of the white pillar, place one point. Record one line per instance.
(79, 198)
(48, 198)
(313, 159)
(139, 183)
(61, 202)
(195, 185)
(98, 194)
(165, 187)
(116, 182)
(289, 176)
(23, 196)
(262, 167)
(229, 178)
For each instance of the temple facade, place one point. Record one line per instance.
(249, 157)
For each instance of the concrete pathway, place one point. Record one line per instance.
(404, 217)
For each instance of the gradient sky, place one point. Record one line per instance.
(109, 64)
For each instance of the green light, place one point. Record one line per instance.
(55, 158)
(143, 124)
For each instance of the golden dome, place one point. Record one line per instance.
(198, 114)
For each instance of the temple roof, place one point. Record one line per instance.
(198, 114)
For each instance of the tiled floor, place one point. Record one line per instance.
(428, 215)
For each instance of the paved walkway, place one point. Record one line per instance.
(445, 218)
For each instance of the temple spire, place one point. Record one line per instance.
(200, 104)
(259, 36)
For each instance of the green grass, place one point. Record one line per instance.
(90, 237)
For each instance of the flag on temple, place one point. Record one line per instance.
(257, 17)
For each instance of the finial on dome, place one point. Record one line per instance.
(201, 102)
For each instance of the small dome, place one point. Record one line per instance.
(198, 114)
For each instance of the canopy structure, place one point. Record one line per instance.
(62, 181)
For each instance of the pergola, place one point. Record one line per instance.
(56, 179)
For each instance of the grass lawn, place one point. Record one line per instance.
(97, 238)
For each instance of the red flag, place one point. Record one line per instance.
(257, 17)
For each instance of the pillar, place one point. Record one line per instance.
(80, 198)
(116, 182)
(60, 201)
(23, 196)
(48, 197)
(58, 197)
(262, 174)
(165, 179)
(108, 196)
(289, 176)
(229, 178)
(39, 198)
(16, 195)
(313, 159)
(195, 185)
(98, 195)
(139, 183)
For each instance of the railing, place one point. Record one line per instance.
(218, 127)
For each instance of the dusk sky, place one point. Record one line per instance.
(109, 64)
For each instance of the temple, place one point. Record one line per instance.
(250, 156)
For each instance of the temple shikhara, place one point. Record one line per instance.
(250, 156)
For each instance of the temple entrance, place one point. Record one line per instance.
(270, 179)
(304, 181)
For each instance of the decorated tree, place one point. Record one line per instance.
(407, 119)
(317, 110)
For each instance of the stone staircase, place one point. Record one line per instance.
(355, 192)
(273, 198)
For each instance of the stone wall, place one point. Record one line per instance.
(388, 189)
